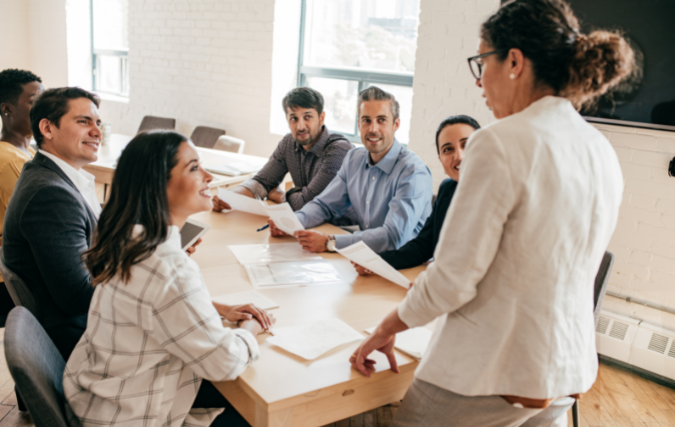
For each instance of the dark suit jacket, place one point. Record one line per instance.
(421, 248)
(48, 225)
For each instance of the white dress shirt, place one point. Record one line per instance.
(83, 180)
(149, 343)
(514, 268)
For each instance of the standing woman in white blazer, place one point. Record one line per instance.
(512, 280)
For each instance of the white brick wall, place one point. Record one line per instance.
(202, 62)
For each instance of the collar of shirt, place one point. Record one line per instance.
(317, 149)
(387, 163)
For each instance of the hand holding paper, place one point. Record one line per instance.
(242, 203)
(284, 218)
(362, 255)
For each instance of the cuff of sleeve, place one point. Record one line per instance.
(343, 240)
(255, 187)
(409, 311)
(251, 343)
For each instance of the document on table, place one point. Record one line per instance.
(362, 255)
(292, 273)
(233, 168)
(413, 342)
(313, 340)
(284, 218)
(247, 297)
(242, 203)
(275, 252)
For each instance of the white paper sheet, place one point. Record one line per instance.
(313, 340)
(276, 252)
(284, 218)
(232, 168)
(413, 342)
(292, 273)
(362, 255)
(242, 203)
(247, 297)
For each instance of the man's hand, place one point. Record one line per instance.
(380, 341)
(313, 241)
(274, 231)
(276, 195)
(193, 248)
(363, 271)
(219, 205)
(236, 313)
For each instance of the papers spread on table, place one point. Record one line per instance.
(413, 342)
(242, 203)
(313, 340)
(362, 255)
(284, 218)
(276, 252)
(233, 168)
(292, 273)
(247, 297)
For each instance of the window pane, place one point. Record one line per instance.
(112, 74)
(369, 34)
(339, 98)
(111, 24)
(403, 95)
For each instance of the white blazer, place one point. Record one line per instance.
(517, 257)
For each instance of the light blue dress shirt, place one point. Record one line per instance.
(391, 199)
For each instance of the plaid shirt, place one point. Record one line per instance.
(149, 343)
(311, 170)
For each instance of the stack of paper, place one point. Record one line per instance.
(313, 340)
(362, 255)
(247, 297)
(413, 342)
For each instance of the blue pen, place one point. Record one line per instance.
(263, 227)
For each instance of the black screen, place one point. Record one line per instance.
(650, 26)
(188, 232)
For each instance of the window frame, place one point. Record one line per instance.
(123, 54)
(363, 76)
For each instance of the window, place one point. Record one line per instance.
(348, 45)
(110, 46)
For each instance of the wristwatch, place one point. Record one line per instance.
(330, 244)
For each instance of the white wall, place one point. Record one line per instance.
(14, 25)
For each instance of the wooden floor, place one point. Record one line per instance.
(619, 398)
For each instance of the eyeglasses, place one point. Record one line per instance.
(476, 63)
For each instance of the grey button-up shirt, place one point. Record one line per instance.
(311, 170)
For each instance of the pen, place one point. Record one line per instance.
(264, 227)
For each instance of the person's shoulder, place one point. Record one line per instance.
(407, 159)
(337, 140)
(448, 185)
(10, 154)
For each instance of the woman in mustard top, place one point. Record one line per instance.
(18, 90)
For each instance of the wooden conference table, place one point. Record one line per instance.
(282, 389)
(104, 168)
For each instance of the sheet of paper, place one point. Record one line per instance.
(233, 168)
(247, 297)
(242, 203)
(313, 340)
(284, 218)
(413, 342)
(276, 252)
(362, 255)
(292, 273)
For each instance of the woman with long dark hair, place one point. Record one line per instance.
(512, 280)
(152, 332)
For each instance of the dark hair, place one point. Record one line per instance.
(577, 66)
(53, 104)
(453, 120)
(11, 84)
(303, 97)
(374, 93)
(138, 197)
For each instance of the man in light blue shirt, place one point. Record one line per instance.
(387, 185)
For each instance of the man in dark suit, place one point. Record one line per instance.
(53, 212)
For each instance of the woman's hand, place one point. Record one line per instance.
(235, 313)
(274, 231)
(219, 205)
(363, 271)
(252, 326)
(380, 341)
(193, 248)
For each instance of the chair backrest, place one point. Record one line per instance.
(21, 295)
(204, 136)
(153, 122)
(228, 143)
(601, 281)
(37, 368)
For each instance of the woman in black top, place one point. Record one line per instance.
(451, 138)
